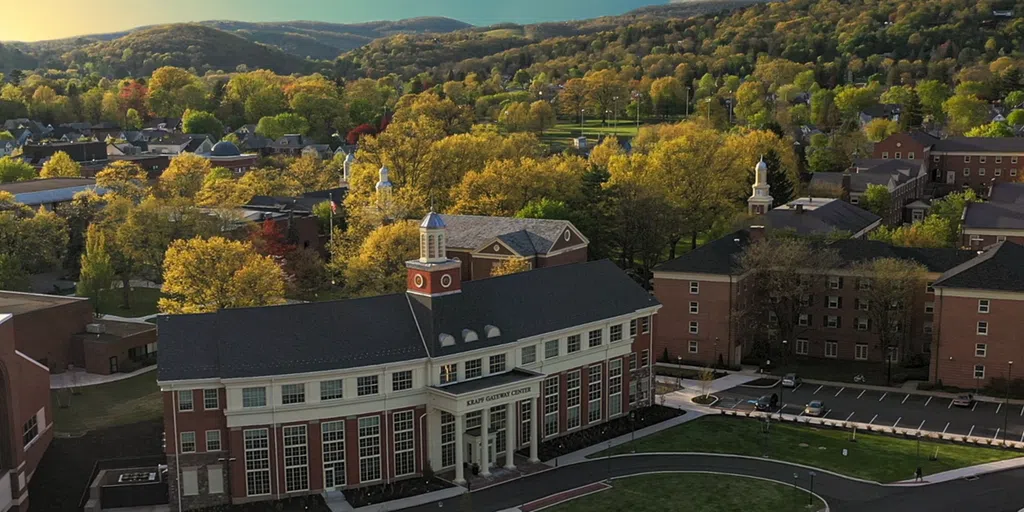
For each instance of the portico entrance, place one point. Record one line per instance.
(480, 424)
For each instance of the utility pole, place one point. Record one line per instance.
(615, 114)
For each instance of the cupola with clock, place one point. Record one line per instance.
(433, 274)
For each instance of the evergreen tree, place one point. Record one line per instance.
(781, 187)
(910, 113)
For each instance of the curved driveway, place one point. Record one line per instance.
(997, 492)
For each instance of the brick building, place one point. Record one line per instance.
(58, 332)
(703, 293)
(957, 162)
(1000, 218)
(368, 391)
(979, 306)
(26, 419)
(481, 242)
(904, 179)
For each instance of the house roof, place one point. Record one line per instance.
(980, 144)
(834, 215)
(527, 237)
(1007, 193)
(998, 268)
(858, 181)
(994, 216)
(320, 336)
(722, 256)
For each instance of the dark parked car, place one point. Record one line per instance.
(767, 402)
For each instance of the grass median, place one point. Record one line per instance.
(693, 492)
(873, 457)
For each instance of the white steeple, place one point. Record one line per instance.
(383, 184)
(760, 200)
(347, 166)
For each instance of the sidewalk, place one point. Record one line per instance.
(692, 387)
(81, 379)
(957, 474)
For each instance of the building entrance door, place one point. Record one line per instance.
(113, 364)
(950, 177)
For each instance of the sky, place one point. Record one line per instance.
(54, 19)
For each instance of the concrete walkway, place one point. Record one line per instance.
(130, 319)
(692, 387)
(81, 379)
(980, 469)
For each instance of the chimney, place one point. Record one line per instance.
(846, 187)
(799, 208)
(756, 233)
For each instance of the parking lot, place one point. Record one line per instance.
(904, 410)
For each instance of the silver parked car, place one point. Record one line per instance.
(790, 380)
(815, 408)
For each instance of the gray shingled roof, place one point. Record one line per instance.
(994, 216)
(980, 144)
(1007, 193)
(858, 181)
(528, 237)
(309, 337)
(998, 268)
(715, 257)
(835, 215)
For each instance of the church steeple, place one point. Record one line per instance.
(760, 200)
(434, 273)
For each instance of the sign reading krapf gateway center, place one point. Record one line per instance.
(498, 396)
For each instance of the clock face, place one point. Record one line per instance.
(446, 281)
(418, 280)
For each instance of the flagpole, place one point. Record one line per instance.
(330, 197)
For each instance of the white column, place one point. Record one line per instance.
(460, 478)
(535, 420)
(510, 434)
(485, 425)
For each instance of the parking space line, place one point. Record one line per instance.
(883, 396)
(1000, 406)
(950, 404)
(816, 390)
(1022, 411)
(969, 432)
(997, 434)
(850, 416)
(947, 427)
(928, 401)
(735, 405)
(897, 422)
(840, 391)
(798, 386)
(919, 427)
(1022, 437)
(872, 419)
(905, 398)
(975, 406)
(864, 390)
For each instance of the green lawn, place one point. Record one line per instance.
(874, 457)
(693, 492)
(559, 137)
(104, 405)
(143, 302)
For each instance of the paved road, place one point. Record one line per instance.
(1002, 492)
(984, 419)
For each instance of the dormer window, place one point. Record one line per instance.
(491, 331)
(446, 340)
(469, 335)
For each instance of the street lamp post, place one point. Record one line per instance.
(716, 351)
(782, 388)
(679, 379)
(1006, 404)
(810, 493)
(888, 357)
(615, 114)
(581, 120)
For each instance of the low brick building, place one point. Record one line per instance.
(26, 419)
(974, 162)
(1000, 218)
(481, 242)
(904, 179)
(61, 332)
(978, 307)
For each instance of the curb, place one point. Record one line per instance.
(887, 389)
(751, 386)
(712, 404)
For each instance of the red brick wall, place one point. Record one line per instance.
(467, 262)
(97, 354)
(986, 241)
(953, 357)
(901, 143)
(956, 165)
(672, 323)
(197, 420)
(45, 334)
(573, 256)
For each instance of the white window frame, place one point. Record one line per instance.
(979, 371)
(929, 308)
(833, 302)
(802, 346)
(693, 347)
(528, 354)
(448, 373)
(293, 393)
(831, 321)
(474, 368)
(211, 396)
(257, 461)
(831, 349)
(980, 349)
(216, 445)
(615, 333)
(573, 397)
(296, 458)
(332, 439)
(405, 442)
(595, 338)
(401, 380)
(551, 403)
(573, 343)
(694, 307)
(327, 393)
(188, 442)
(548, 346)
(369, 449)
(645, 325)
(984, 306)
(694, 287)
(367, 385)
(694, 327)
(595, 386)
(185, 400)
(525, 421)
(254, 397)
(496, 364)
(860, 352)
(614, 387)
(982, 328)
(863, 324)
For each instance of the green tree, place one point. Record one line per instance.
(197, 121)
(60, 165)
(378, 267)
(280, 125)
(511, 266)
(824, 113)
(545, 208)
(132, 119)
(667, 96)
(994, 129)
(97, 272)
(15, 169)
(879, 128)
(965, 113)
(877, 200)
(933, 95)
(1016, 118)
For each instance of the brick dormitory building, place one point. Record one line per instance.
(265, 403)
(964, 319)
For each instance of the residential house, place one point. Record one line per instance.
(290, 145)
(1000, 218)
(322, 151)
(177, 143)
(904, 179)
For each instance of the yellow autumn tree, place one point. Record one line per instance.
(511, 266)
(184, 177)
(124, 179)
(203, 275)
(379, 266)
(60, 165)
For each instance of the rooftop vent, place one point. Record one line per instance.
(446, 340)
(95, 328)
(469, 335)
(491, 331)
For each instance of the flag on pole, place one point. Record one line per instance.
(334, 207)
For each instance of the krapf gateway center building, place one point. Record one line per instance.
(271, 402)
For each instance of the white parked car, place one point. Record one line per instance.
(790, 380)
